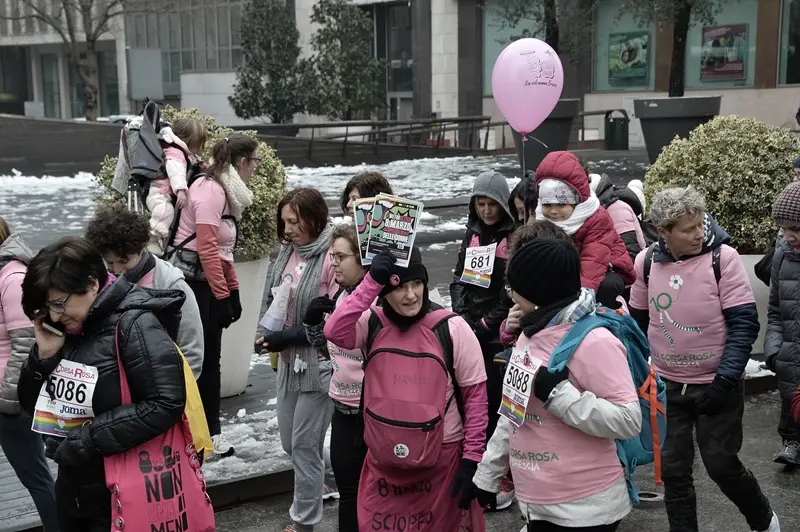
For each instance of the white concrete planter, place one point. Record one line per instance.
(237, 340)
(761, 293)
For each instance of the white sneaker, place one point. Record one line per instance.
(221, 446)
(330, 491)
(505, 497)
(774, 525)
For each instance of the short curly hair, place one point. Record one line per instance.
(117, 230)
(670, 204)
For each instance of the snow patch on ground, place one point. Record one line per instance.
(441, 246)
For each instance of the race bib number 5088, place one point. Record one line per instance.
(65, 399)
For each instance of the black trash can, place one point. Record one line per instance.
(616, 130)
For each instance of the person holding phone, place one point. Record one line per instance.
(77, 371)
(22, 447)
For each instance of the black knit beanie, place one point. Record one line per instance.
(415, 271)
(786, 209)
(544, 271)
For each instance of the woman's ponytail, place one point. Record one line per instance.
(230, 150)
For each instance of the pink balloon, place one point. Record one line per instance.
(526, 82)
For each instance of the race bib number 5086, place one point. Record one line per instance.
(65, 399)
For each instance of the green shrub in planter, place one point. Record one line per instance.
(740, 165)
(257, 231)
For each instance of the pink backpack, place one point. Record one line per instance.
(405, 388)
(158, 485)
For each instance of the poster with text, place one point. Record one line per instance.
(628, 58)
(724, 52)
(362, 215)
(394, 226)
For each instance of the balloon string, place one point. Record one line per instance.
(524, 186)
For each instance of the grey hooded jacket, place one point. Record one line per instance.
(190, 332)
(13, 249)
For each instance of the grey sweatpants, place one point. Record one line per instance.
(303, 420)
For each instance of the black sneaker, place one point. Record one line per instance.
(789, 454)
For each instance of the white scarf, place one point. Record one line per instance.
(581, 213)
(238, 195)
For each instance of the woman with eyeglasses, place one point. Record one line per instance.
(86, 323)
(304, 374)
(23, 448)
(203, 250)
(348, 450)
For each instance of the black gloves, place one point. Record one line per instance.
(462, 486)
(716, 396)
(224, 311)
(317, 310)
(482, 333)
(277, 341)
(770, 362)
(236, 305)
(382, 267)
(76, 449)
(544, 382)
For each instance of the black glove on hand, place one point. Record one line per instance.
(716, 396)
(544, 382)
(277, 341)
(236, 305)
(486, 499)
(224, 311)
(770, 362)
(382, 267)
(462, 486)
(317, 310)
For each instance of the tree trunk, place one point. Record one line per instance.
(551, 24)
(680, 29)
(86, 65)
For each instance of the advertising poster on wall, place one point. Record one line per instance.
(724, 52)
(628, 58)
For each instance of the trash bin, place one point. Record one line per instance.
(616, 130)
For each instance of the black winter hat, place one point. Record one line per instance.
(786, 209)
(544, 271)
(415, 271)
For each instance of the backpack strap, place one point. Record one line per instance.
(648, 262)
(374, 326)
(173, 230)
(441, 329)
(570, 342)
(716, 263)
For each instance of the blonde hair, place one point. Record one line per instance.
(191, 131)
(5, 232)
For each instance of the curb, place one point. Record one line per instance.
(239, 491)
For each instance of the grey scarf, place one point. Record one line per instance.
(306, 380)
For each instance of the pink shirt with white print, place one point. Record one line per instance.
(551, 461)
(348, 372)
(291, 274)
(687, 329)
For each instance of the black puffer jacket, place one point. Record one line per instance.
(485, 308)
(152, 365)
(782, 340)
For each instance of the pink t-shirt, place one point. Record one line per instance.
(687, 329)
(291, 274)
(467, 363)
(207, 205)
(552, 462)
(625, 220)
(11, 315)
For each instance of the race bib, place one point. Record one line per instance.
(65, 400)
(518, 385)
(479, 265)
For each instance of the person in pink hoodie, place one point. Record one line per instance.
(561, 447)
(424, 401)
(23, 448)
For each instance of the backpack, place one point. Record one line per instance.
(401, 398)
(648, 263)
(646, 447)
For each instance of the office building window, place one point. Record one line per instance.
(790, 43)
(624, 55)
(495, 38)
(723, 54)
(51, 91)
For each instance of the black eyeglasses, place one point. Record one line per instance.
(254, 159)
(337, 258)
(60, 306)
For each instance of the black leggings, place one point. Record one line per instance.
(209, 382)
(546, 526)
